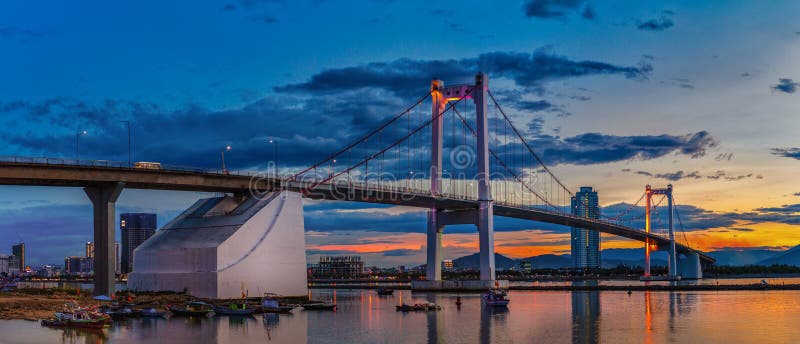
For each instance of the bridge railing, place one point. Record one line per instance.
(120, 165)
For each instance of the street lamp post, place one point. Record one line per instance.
(78, 143)
(227, 148)
(128, 123)
(275, 155)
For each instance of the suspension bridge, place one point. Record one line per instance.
(454, 151)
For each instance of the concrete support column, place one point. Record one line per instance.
(671, 264)
(647, 196)
(436, 136)
(104, 198)
(433, 270)
(486, 209)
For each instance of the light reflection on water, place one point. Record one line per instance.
(549, 317)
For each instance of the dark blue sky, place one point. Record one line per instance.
(614, 94)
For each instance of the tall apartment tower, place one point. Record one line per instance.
(136, 228)
(585, 243)
(18, 253)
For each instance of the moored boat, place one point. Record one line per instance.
(270, 304)
(235, 308)
(319, 306)
(496, 298)
(154, 313)
(194, 308)
(385, 291)
(74, 316)
(418, 307)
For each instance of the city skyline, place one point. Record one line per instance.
(714, 114)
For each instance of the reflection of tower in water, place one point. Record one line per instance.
(585, 317)
(435, 323)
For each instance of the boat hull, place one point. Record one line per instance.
(227, 311)
(186, 313)
(319, 307)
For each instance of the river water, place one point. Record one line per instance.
(544, 317)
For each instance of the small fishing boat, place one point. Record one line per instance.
(194, 308)
(54, 323)
(320, 306)
(74, 316)
(418, 307)
(235, 308)
(117, 312)
(270, 304)
(385, 291)
(154, 313)
(496, 298)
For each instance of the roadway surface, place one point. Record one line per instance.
(71, 173)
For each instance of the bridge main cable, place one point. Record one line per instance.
(376, 154)
(363, 138)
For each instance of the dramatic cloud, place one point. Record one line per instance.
(16, 32)
(658, 24)
(787, 213)
(675, 176)
(594, 148)
(406, 76)
(556, 8)
(691, 217)
(786, 85)
(725, 176)
(787, 152)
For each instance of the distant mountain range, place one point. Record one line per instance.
(635, 257)
(788, 257)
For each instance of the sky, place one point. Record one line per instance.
(612, 94)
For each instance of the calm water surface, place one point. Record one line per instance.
(543, 317)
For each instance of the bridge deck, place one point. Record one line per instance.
(43, 172)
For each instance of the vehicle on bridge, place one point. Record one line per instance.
(147, 165)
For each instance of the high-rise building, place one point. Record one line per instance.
(18, 252)
(338, 266)
(585, 243)
(5, 264)
(90, 250)
(75, 265)
(117, 260)
(136, 228)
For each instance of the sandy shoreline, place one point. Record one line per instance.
(36, 304)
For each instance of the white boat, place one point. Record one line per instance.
(496, 298)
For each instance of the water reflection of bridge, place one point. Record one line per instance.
(657, 312)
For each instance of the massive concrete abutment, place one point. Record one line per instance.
(222, 247)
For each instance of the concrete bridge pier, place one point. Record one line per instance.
(433, 272)
(690, 267)
(104, 198)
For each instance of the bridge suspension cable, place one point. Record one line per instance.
(362, 139)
